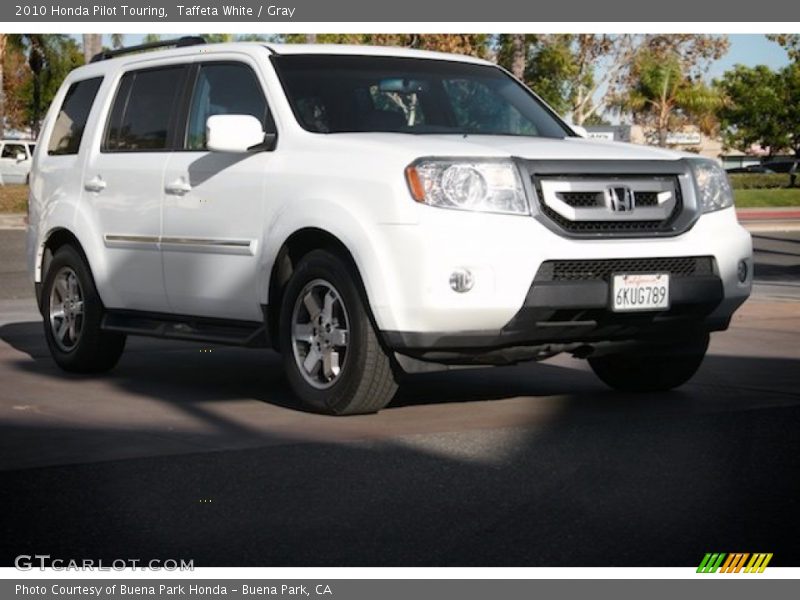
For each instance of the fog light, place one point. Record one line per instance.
(742, 271)
(461, 280)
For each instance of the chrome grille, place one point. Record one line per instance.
(601, 270)
(582, 199)
(624, 205)
(595, 199)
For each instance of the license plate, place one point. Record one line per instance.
(639, 291)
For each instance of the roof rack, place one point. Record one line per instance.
(191, 40)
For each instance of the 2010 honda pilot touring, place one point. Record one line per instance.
(368, 211)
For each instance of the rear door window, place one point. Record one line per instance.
(142, 118)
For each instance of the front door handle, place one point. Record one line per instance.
(179, 187)
(95, 184)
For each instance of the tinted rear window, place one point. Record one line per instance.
(143, 112)
(71, 119)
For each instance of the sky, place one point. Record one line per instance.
(750, 50)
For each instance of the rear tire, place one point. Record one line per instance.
(72, 312)
(331, 353)
(651, 370)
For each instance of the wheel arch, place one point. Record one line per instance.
(291, 252)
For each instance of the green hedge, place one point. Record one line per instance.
(759, 181)
(760, 198)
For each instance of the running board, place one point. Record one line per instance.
(178, 327)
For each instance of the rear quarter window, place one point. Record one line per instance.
(71, 120)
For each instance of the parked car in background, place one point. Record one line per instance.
(782, 166)
(749, 169)
(789, 166)
(15, 160)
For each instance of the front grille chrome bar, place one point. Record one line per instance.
(620, 199)
(612, 198)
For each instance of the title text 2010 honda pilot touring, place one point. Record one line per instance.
(368, 211)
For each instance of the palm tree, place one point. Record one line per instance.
(36, 61)
(3, 42)
(50, 57)
(117, 40)
(92, 44)
(518, 55)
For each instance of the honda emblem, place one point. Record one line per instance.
(620, 198)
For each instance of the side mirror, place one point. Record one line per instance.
(21, 156)
(234, 133)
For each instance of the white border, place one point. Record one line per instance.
(333, 573)
(167, 26)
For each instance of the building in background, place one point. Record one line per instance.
(688, 140)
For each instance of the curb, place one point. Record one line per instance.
(13, 221)
(768, 214)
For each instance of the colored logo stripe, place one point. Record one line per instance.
(734, 562)
(711, 562)
(758, 563)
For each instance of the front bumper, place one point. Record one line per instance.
(508, 306)
(568, 312)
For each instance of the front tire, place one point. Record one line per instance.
(656, 369)
(331, 353)
(72, 312)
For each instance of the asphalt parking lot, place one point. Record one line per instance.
(185, 453)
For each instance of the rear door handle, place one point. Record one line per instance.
(95, 184)
(179, 187)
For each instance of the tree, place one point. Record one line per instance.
(3, 43)
(761, 107)
(518, 55)
(50, 57)
(457, 43)
(513, 52)
(92, 44)
(582, 75)
(16, 87)
(217, 38)
(695, 52)
(570, 71)
(790, 42)
(750, 112)
(117, 40)
(664, 98)
(252, 37)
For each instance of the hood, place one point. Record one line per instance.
(532, 148)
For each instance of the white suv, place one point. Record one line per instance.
(15, 160)
(368, 212)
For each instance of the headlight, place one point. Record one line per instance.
(713, 188)
(479, 185)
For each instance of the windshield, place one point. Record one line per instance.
(337, 94)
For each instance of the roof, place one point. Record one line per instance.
(365, 50)
(103, 66)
